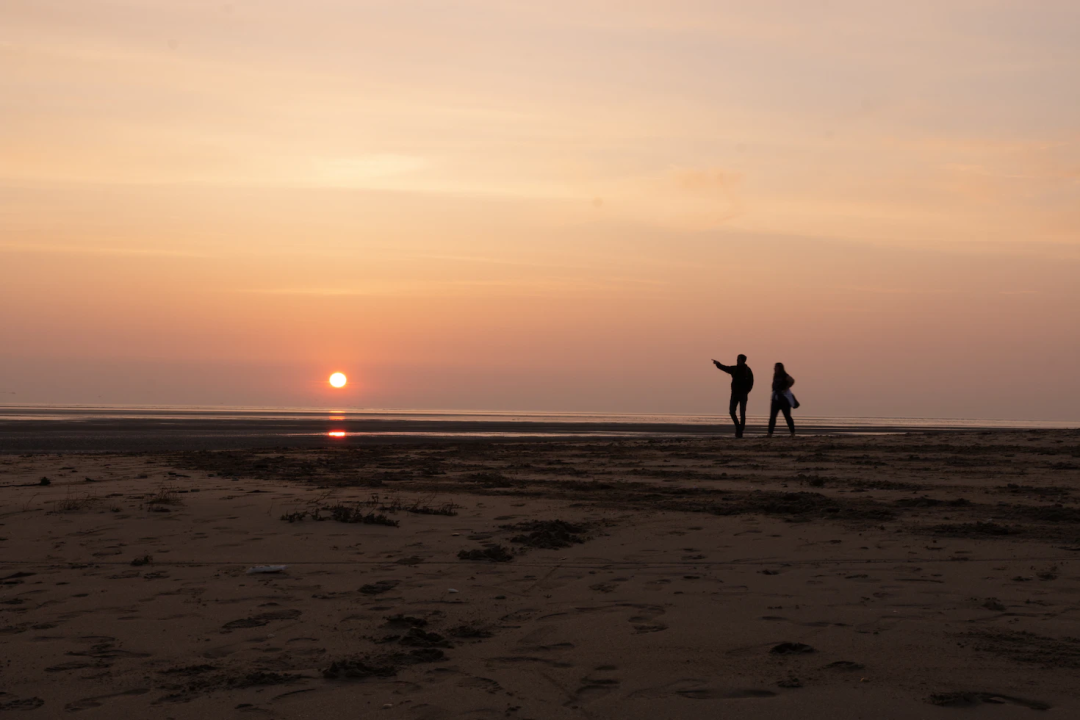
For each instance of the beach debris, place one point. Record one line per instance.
(164, 496)
(186, 682)
(493, 553)
(422, 639)
(25, 704)
(261, 619)
(973, 529)
(140, 561)
(416, 507)
(468, 632)
(261, 678)
(800, 505)
(16, 578)
(844, 665)
(547, 534)
(1028, 647)
(356, 670)
(346, 514)
(791, 648)
(378, 588)
(490, 479)
(341, 513)
(812, 480)
(452, 590)
(382, 666)
(45, 481)
(189, 670)
(994, 604)
(259, 569)
(927, 502)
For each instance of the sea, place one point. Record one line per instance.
(71, 428)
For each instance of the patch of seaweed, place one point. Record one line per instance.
(547, 534)
(492, 553)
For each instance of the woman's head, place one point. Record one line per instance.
(779, 369)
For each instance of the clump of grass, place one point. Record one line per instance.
(346, 514)
(341, 513)
(494, 553)
(71, 503)
(416, 507)
(548, 534)
(812, 480)
(165, 496)
(448, 509)
(490, 479)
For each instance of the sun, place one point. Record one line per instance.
(338, 380)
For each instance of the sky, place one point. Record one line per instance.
(557, 206)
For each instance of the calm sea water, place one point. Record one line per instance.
(347, 422)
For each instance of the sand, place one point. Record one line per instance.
(901, 576)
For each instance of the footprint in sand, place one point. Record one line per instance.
(593, 688)
(644, 621)
(486, 684)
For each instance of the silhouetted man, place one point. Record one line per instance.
(742, 382)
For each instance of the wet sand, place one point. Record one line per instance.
(901, 576)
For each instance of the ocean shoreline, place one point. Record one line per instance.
(152, 434)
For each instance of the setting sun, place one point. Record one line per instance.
(338, 380)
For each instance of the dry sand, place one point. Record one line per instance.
(906, 576)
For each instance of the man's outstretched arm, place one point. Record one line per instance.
(722, 366)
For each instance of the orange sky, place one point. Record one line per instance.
(552, 206)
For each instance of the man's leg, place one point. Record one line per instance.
(742, 416)
(735, 418)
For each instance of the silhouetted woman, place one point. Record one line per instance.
(782, 399)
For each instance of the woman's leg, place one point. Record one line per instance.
(787, 416)
(773, 410)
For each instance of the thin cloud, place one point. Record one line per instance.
(97, 250)
(555, 286)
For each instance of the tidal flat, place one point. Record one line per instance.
(901, 576)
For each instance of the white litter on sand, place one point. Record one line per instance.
(266, 569)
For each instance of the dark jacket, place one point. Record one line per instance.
(782, 385)
(742, 378)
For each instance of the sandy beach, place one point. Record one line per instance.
(900, 576)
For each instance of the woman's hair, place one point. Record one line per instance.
(779, 370)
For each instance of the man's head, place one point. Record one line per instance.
(742, 359)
